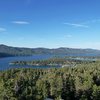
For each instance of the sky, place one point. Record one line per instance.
(50, 23)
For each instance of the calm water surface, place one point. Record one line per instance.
(4, 62)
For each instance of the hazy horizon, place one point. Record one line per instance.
(50, 23)
(47, 47)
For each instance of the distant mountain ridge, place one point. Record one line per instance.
(17, 51)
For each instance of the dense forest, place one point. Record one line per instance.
(78, 83)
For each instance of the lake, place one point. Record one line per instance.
(4, 62)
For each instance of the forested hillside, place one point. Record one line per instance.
(16, 51)
(79, 83)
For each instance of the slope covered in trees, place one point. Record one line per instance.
(78, 83)
(15, 51)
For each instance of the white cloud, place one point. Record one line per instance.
(92, 21)
(77, 25)
(85, 24)
(69, 36)
(20, 22)
(2, 29)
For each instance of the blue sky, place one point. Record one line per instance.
(50, 23)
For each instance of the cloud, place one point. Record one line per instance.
(20, 22)
(2, 29)
(69, 36)
(77, 25)
(92, 21)
(85, 24)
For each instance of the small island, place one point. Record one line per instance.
(62, 62)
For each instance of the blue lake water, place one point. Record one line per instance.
(4, 62)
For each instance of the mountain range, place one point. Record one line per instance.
(6, 51)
